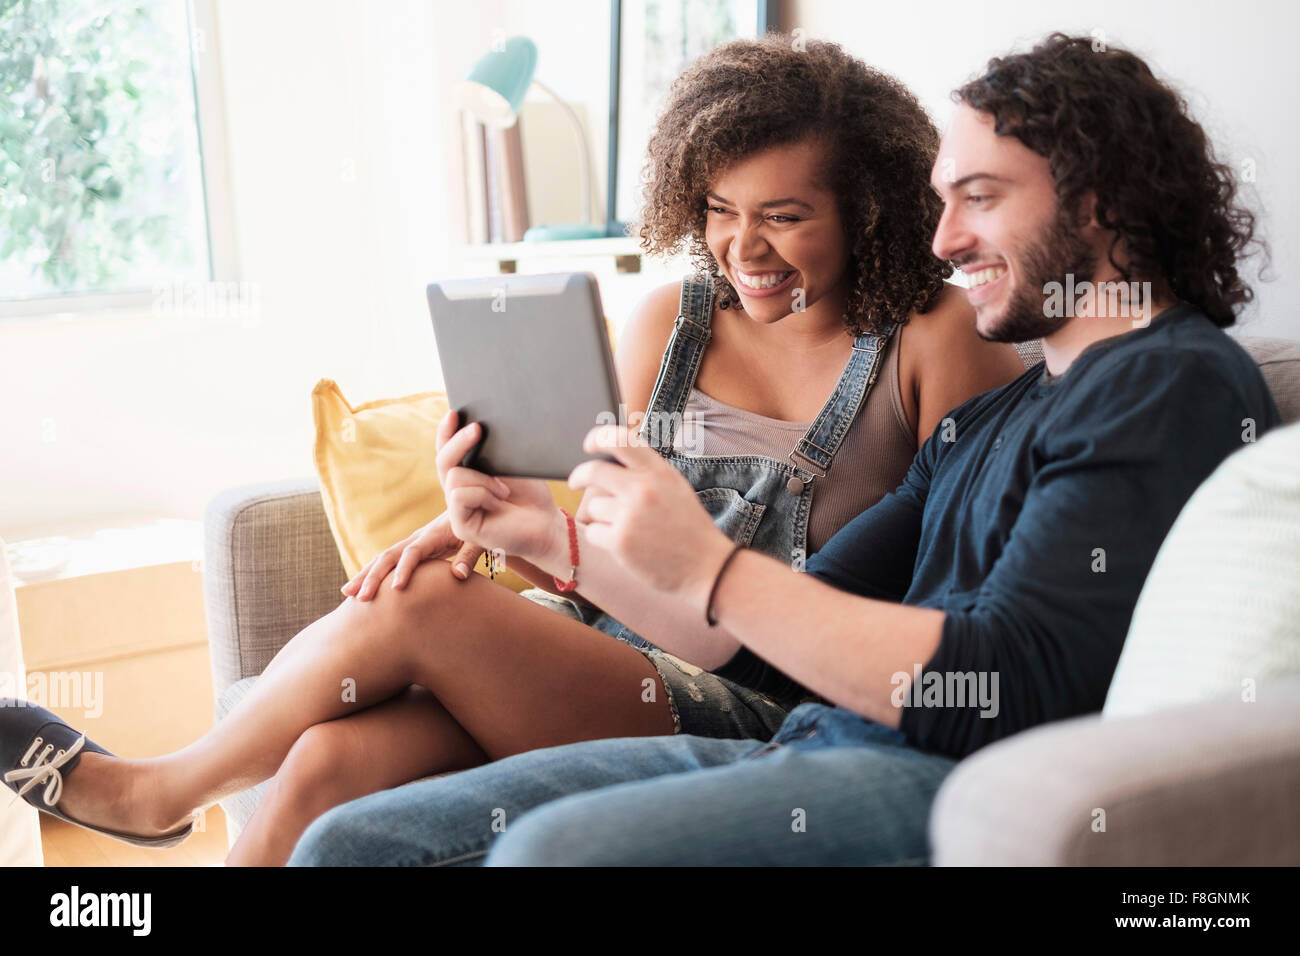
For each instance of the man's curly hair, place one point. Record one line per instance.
(1106, 125)
(748, 95)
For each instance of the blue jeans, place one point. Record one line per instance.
(829, 788)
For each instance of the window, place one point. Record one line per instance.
(102, 193)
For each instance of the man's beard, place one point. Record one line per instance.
(1057, 252)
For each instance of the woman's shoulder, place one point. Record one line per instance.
(951, 316)
(642, 340)
(943, 361)
(946, 335)
(650, 323)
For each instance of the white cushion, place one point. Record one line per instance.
(1220, 610)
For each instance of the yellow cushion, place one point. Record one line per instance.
(378, 476)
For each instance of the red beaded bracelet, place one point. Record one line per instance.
(572, 583)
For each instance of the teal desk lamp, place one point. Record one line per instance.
(493, 91)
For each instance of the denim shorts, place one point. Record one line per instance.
(701, 703)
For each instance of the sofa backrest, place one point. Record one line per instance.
(1278, 361)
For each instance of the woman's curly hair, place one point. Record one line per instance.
(748, 95)
(1106, 125)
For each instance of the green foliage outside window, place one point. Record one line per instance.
(98, 161)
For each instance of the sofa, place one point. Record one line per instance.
(271, 567)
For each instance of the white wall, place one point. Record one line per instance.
(1235, 63)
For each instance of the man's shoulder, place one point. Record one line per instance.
(1184, 353)
(1188, 342)
(1175, 392)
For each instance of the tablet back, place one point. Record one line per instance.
(528, 357)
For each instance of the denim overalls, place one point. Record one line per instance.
(757, 501)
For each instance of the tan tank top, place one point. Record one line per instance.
(872, 461)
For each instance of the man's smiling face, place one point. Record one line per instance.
(1002, 226)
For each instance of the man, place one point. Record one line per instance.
(992, 591)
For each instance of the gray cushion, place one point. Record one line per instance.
(1031, 353)
(1279, 362)
(270, 568)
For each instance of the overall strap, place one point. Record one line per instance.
(681, 363)
(822, 440)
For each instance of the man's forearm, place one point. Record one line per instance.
(846, 648)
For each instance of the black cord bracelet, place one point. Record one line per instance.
(708, 608)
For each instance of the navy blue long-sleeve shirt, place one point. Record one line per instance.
(1032, 517)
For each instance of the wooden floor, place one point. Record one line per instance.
(68, 845)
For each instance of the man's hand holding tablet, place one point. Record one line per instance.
(638, 508)
(645, 514)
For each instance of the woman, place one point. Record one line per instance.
(819, 331)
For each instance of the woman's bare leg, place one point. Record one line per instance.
(405, 738)
(514, 675)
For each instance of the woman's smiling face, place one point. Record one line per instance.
(776, 232)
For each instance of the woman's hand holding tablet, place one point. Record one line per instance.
(483, 512)
(517, 515)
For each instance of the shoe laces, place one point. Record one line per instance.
(43, 769)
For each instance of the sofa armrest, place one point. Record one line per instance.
(270, 568)
(1210, 784)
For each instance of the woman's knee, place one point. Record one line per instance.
(392, 616)
(431, 589)
(314, 775)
